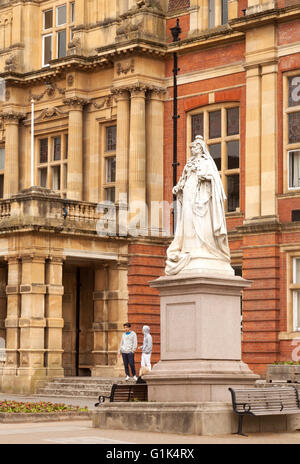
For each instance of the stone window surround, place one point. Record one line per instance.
(50, 164)
(55, 29)
(105, 156)
(286, 146)
(2, 146)
(223, 139)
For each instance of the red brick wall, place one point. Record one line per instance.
(178, 4)
(146, 263)
(261, 301)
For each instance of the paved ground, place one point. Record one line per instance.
(82, 432)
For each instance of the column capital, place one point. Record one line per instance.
(12, 117)
(76, 103)
(120, 94)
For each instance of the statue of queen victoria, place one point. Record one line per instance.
(200, 243)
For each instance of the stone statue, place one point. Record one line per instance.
(200, 243)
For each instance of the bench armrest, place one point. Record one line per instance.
(101, 400)
(244, 406)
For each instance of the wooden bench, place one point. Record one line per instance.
(264, 402)
(134, 392)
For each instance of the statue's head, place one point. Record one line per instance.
(197, 146)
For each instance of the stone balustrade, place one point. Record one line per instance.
(41, 207)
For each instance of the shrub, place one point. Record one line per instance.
(40, 407)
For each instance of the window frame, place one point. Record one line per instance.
(225, 172)
(43, 49)
(288, 147)
(295, 291)
(106, 155)
(51, 163)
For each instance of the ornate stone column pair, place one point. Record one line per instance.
(34, 321)
(139, 151)
(75, 148)
(11, 173)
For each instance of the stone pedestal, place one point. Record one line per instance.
(200, 339)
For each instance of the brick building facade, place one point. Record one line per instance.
(249, 65)
(98, 78)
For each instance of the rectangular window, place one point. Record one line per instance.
(1, 185)
(111, 169)
(215, 151)
(294, 91)
(211, 16)
(48, 19)
(197, 125)
(294, 168)
(110, 194)
(57, 148)
(296, 294)
(224, 11)
(233, 192)
(111, 138)
(215, 124)
(43, 177)
(43, 150)
(61, 15)
(47, 49)
(2, 158)
(66, 146)
(56, 178)
(233, 154)
(72, 12)
(233, 120)
(294, 127)
(61, 43)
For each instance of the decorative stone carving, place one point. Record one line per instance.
(127, 28)
(124, 68)
(70, 80)
(50, 113)
(200, 242)
(73, 102)
(106, 102)
(12, 117)
(10, 63)
(74, 47)
(49, 91)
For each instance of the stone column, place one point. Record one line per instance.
(100, 321)
(110, 312)
(13, 314)
(269, 139)
(155, 156)
(32, 321)
(253, 142)
(11, 176)
(218, 12)
(54, 319)
(122, 151)
(137, 156)
(3, 309)
(75, 149)
(205, 14)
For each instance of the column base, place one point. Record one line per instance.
(21, 380)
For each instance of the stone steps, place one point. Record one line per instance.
(78, 387)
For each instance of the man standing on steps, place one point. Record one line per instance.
(127, 348)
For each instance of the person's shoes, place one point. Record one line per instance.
(134, 377)
(127, 377)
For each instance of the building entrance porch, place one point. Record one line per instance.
(63, 317)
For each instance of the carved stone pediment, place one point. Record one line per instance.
(52, 112)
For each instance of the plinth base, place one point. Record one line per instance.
(197, 380)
